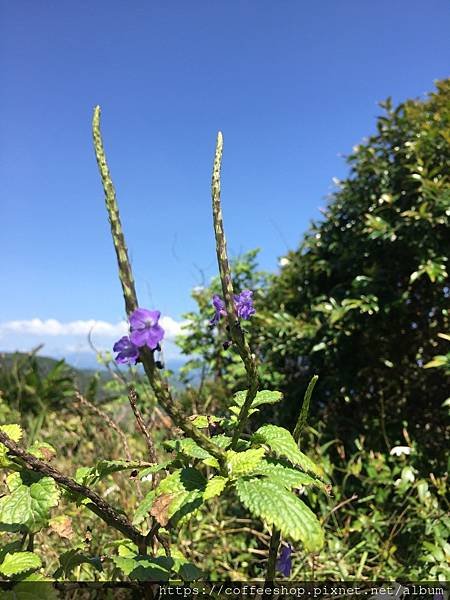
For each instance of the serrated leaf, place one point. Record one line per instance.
(215, 487)
(154, 469)
(204, 421)
(32, 496)
(241, 463)
(184, 505)
(145, 568)
(18, 562)
(221, 440)
(144, 508)
(262, 397)
(91, 475)
(277, 506)
(14, 432)
(188, 447)
(186, 570)
(286, 476)
(281, 442)
(181, 480)
(74, 558)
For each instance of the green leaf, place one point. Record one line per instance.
(42, 450)
(262, 397)
(14, 432)
(184, 506)
(281, 442)
(154, 469)
(286, 476)
(185, 487)
(181, 480)
(277, 506)
(241, 463)
(144, 508)
(74, 558)
(186, 570)
(188, 447)
(91, 475)
(145, 568)
(32, 496)
(204, 421)
(215, 487)
(18, 562)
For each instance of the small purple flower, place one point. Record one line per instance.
(144, 328)
(284, 562)
(219, 306)
(244, 304)
(128, 353)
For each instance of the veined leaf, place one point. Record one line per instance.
(18, 562)
(14, 432)
(262, 397)
(181, 480)
(286, 476)
(184, 492)
(215, 487)
(144, 508)
(241, 463)
(188, 447)
(145, 568)
(30, 501)
(154, 469)
(277, 506)
(74, 558)
(281, 442)
(90, 475)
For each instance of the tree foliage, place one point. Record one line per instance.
(370, 282)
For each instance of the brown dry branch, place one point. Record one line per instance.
(105, 417)
(97, 505)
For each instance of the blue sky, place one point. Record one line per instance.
(293, 85)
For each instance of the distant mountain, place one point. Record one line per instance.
(82, 366)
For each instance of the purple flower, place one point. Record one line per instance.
(243, 303)
(127, 351)
(219, 306)
(284, 562)
(144, 328)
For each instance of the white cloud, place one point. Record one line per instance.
(71, 337)
(53, 327)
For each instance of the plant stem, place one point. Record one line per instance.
(273, 553)
(303, 416)
(97, 505)
(276, 537)
(158, 384)
(236, 332)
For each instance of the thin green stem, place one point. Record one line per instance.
(236, 332)
(276, 537)
(303, 416)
